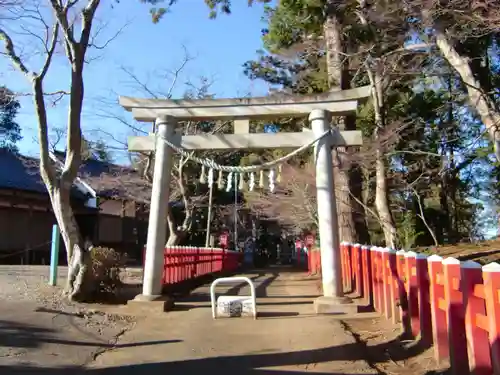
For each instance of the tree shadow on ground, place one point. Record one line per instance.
(395, 350)
(296, 362)
(27, 336)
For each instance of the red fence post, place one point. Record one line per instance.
(171, 266)
(180, 262)
(164, 277)
(401, 290)
(386, 283)
(455, 315)
(438, 308)
(476, 320)
(412, 288)
(343, 261)
(393, 280)
(350, 268)
(376, 278)
(491, 277)
(317, 260)
(171, 261)
(185, 262)
(357, 267)
(424, 301)
(353, 262)
(367, 291)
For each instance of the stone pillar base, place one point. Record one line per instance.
(334, 305)
(146, 305)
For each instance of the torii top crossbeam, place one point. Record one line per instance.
(338, 103)
(242, 110)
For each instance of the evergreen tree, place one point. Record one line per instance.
(10, 131)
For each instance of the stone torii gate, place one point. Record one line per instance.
(319, 108)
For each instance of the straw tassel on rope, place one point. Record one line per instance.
(242, 182)
(203, 178)
(261, 179)
(229, 181)
(271, 181)
(220, 181)
(251, 183)
(278, 178)
(210, 177)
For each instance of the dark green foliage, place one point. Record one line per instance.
(441, 172)
(10, 131)
(437, 172)
(162, 7)
(97, 150)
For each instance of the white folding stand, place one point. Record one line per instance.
(240, 302)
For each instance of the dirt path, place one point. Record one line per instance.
(286, 339)
(35, 336)
(39, 331)
(41, 336)
(387, 350)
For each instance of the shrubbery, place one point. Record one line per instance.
(107, 264)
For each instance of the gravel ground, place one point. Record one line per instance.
(38, 328)
(30, 283)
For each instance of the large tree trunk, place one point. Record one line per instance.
(478, 96)
(177, 233)
(78, 285)
(59, 184)
(337, 76)
(378, 83)
(382, 201)
(381, 188)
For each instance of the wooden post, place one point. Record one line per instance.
(412, 288)
(377, 278)
(387, 282)
(393, 279)
(358, 269)
(438, 308)
(476, 320)
(402, 291)
(455, 314)
(491, 277)
(424, 301)
(367, 275)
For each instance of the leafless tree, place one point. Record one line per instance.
(293, 203)
(184, 172)
(58, 27)
(453, 23)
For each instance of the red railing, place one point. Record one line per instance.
(182, 263)
(453, 305)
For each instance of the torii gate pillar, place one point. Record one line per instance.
(160, 193)
(333, 300)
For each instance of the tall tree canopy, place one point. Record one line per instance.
(10, 131)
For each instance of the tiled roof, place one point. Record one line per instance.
(22, 173)
(112, 180)
(108, 180)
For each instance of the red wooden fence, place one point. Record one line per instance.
(182, 263)
(453, 305)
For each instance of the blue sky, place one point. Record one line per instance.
(219, 48)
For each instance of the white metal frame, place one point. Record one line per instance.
(228, 280)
